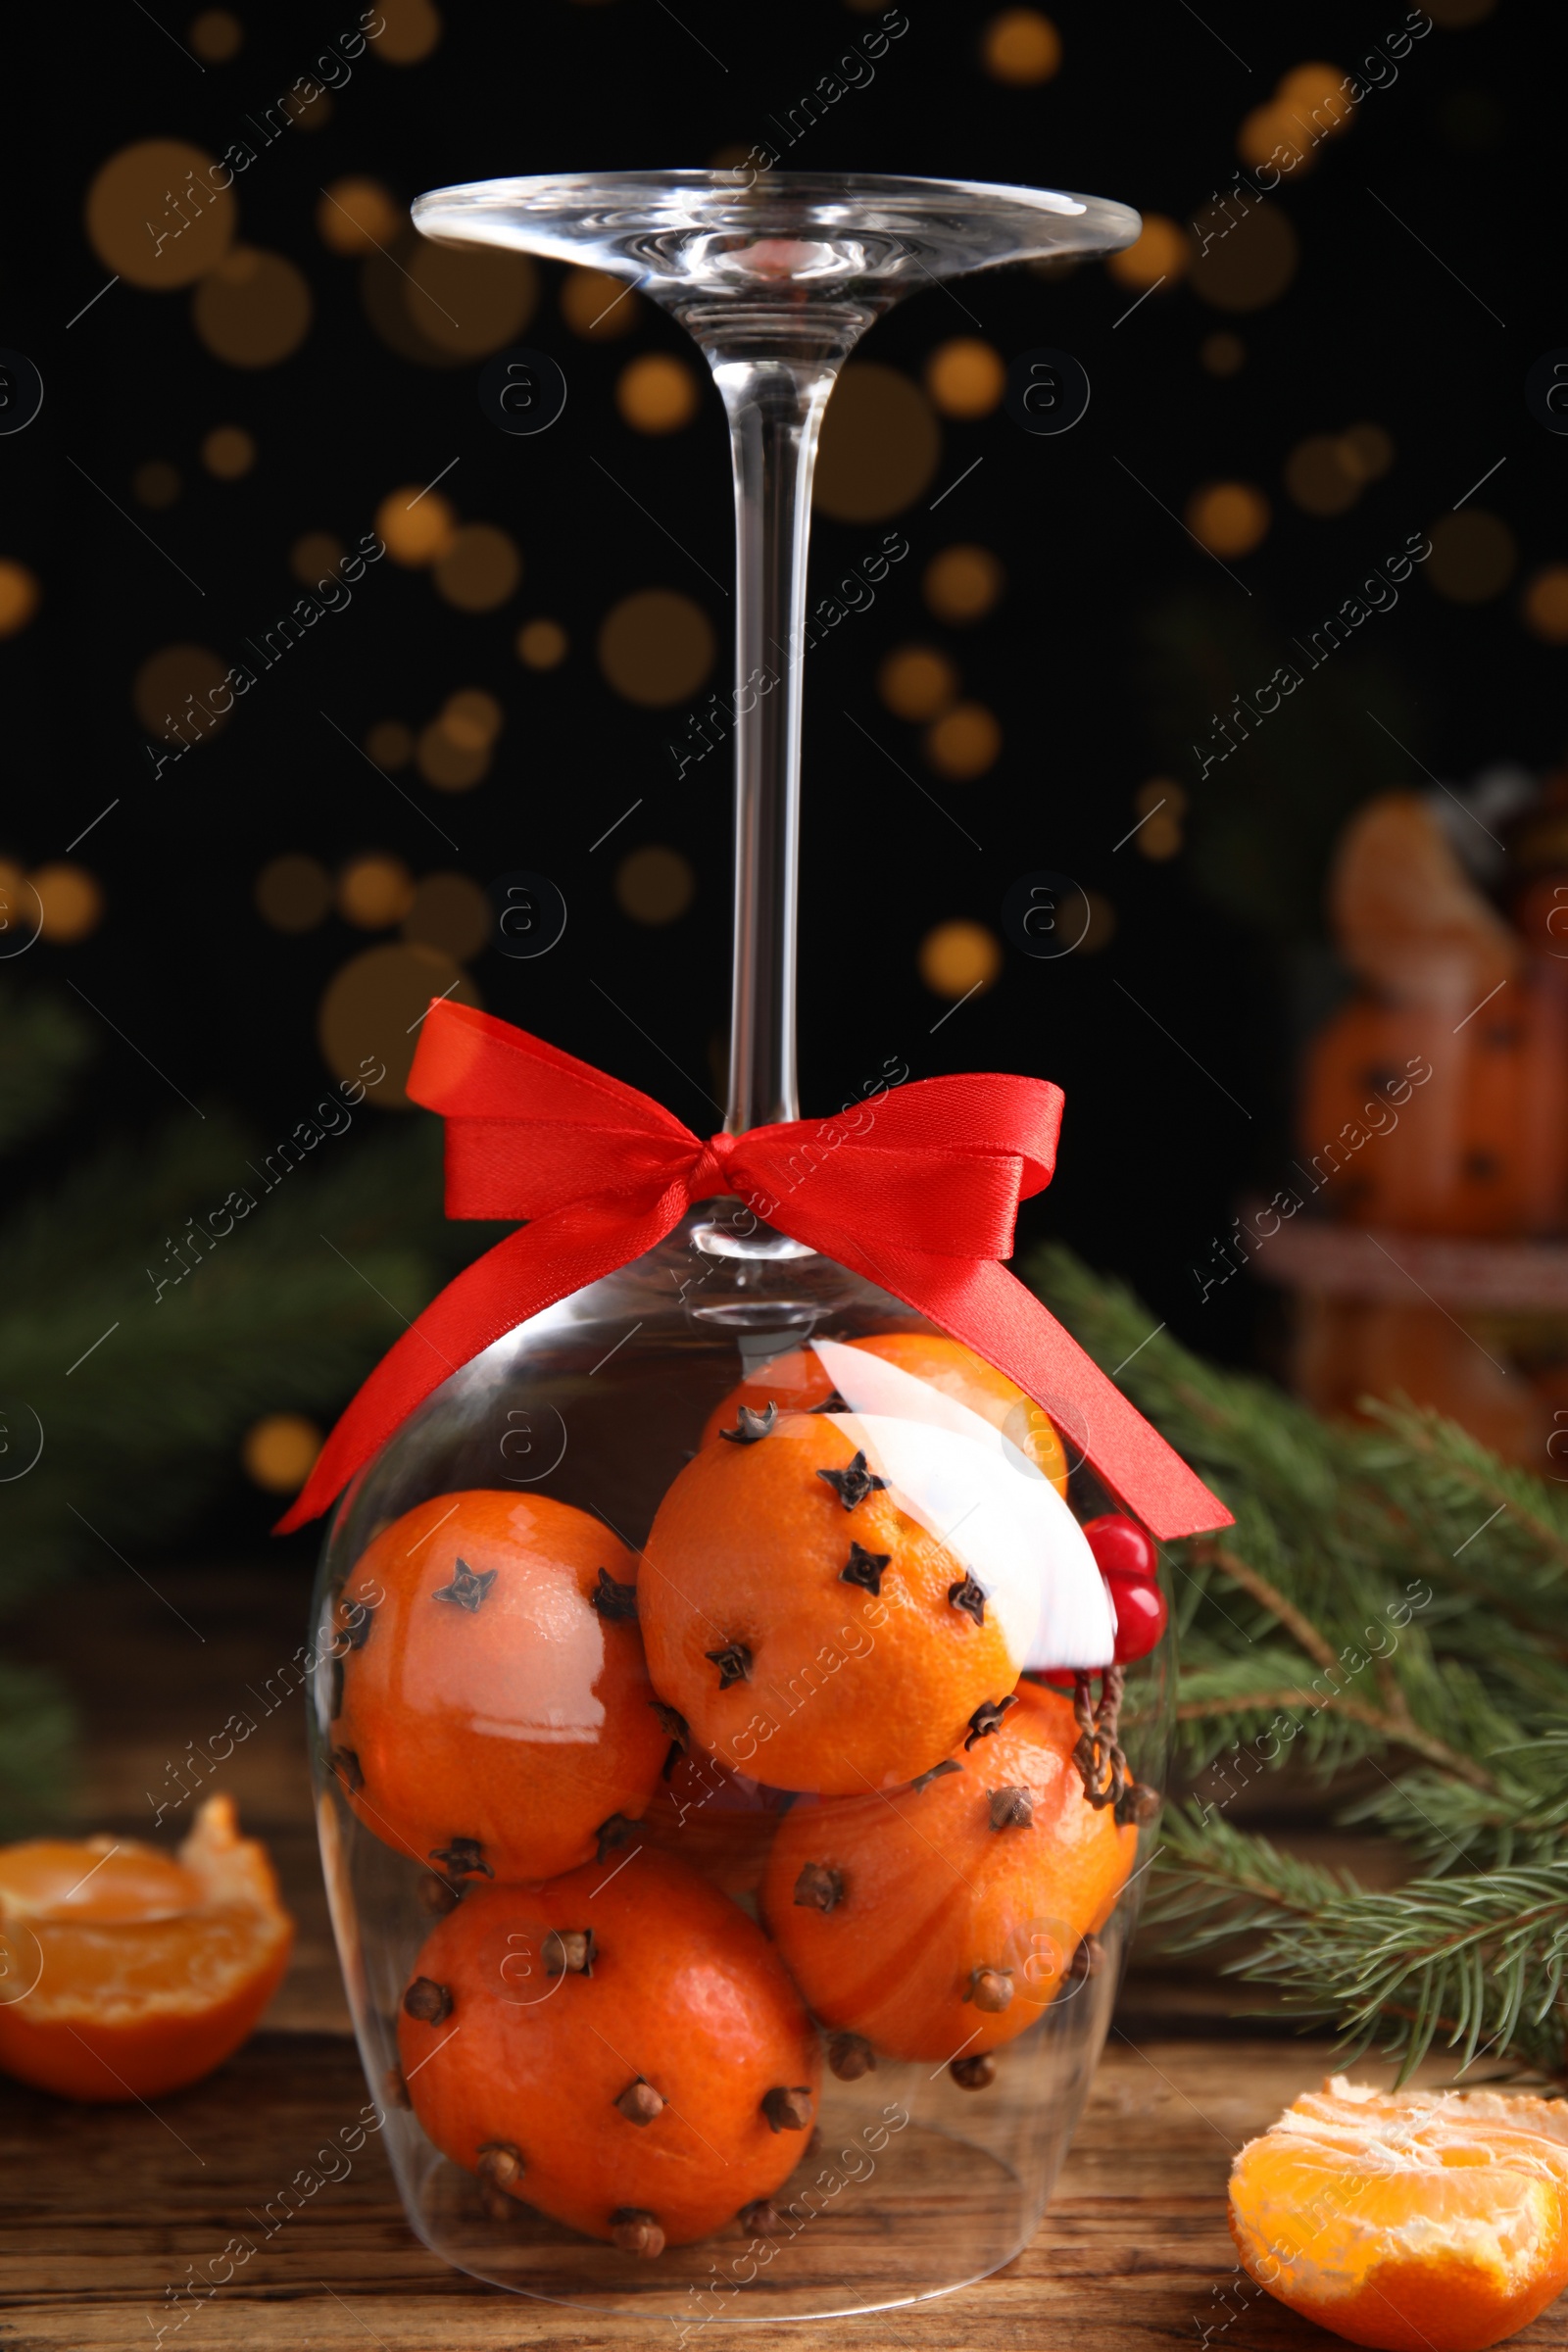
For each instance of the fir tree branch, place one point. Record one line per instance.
(1240, 1573)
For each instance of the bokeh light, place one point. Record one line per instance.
(451, 912)
(1366, 451)
(356, 216)
(215, 35)
(412, 29)
(280, 1452)
(1101, 928)
(1022, 46)
(464, 302)
(228, 450)
(963, 583)
(655, 647)
(1229, 519)
(1274, 134)
(965, 742)
(293, 893)
(415, 525)
(154, 484)
(1317, 477)
(1473, 556)
(655, 885)
(959, 959)
(447, 764)
(375, 891)
(313, 555)
(389, 743)
(916, 681)
(965, 377)
(1222, 353)
(596, 303)
(156, 218)
(373, 1008)
(542, 644)
(479, 569)
(1163, 250)
(1245, 261)
(1318, 91)
(19, 595)
(1545, 604)
(166, 685)
(252, 310)
(72, 899)
(657, 393)
(472, 717)
(880, 446)
(1454, 14)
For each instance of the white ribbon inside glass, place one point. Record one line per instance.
(968, 1485)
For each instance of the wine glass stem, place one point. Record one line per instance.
(775, 409)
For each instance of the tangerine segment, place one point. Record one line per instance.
(618, 2043)
(125, 1972)
(806, 1629)
(798, 1382)
(944, 1919)
(1415, 2220)
(496, 1715)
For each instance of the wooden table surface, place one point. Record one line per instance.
(103, 2209)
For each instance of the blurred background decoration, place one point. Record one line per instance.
(217, 911)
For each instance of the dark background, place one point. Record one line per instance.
(1465, 146)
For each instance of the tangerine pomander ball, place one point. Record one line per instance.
(624, 2052)
(944, 1920)
(808, 1629)
(799, 1382)
(496, 1717)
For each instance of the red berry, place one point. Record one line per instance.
(1129, 1563)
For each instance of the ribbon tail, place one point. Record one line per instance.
(990, 1310)
(530, 1271)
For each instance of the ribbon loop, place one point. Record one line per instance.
(917, 1190)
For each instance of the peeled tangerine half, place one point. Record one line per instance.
(496, 1718)
(1416, 2221)
(939, 1922)
(622, 2050)
(125, 1971)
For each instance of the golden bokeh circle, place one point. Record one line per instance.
(1317, 478)
(465, 302)
(228, 450)
(1101, 928)
(1160, 792)
(1248, 263)
(655, 885)
(881, 444)
(1020, 46)
(1366, 451)
(1545, 604)
(451, 912)
(134, 225)
(598, 305)
(280, 1452)
(450, 765)
(73, 901)
(313, 555)
(411, 29)
(1159, 838)
(1271, 128)
(655, 647)
(252, 310)
(916, 681)
(154, 484)
(415, 525)
(1229, 519)
(19, 593)
(372, 1011)
(542, 644)
(657, 393)
(293, 893)
(389, 743)
(1473, 556)
(375, 891)
(1455, 15)
(966, 376)
(167, 680)
(1222, 353)
(215, 35)
(1163, 250)
(473, 717)
(964, 742)
(959, 959)
(963, 583)
(480, 569)
(356, 216)
(1317, 90)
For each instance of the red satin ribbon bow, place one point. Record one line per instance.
(917, 1193)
